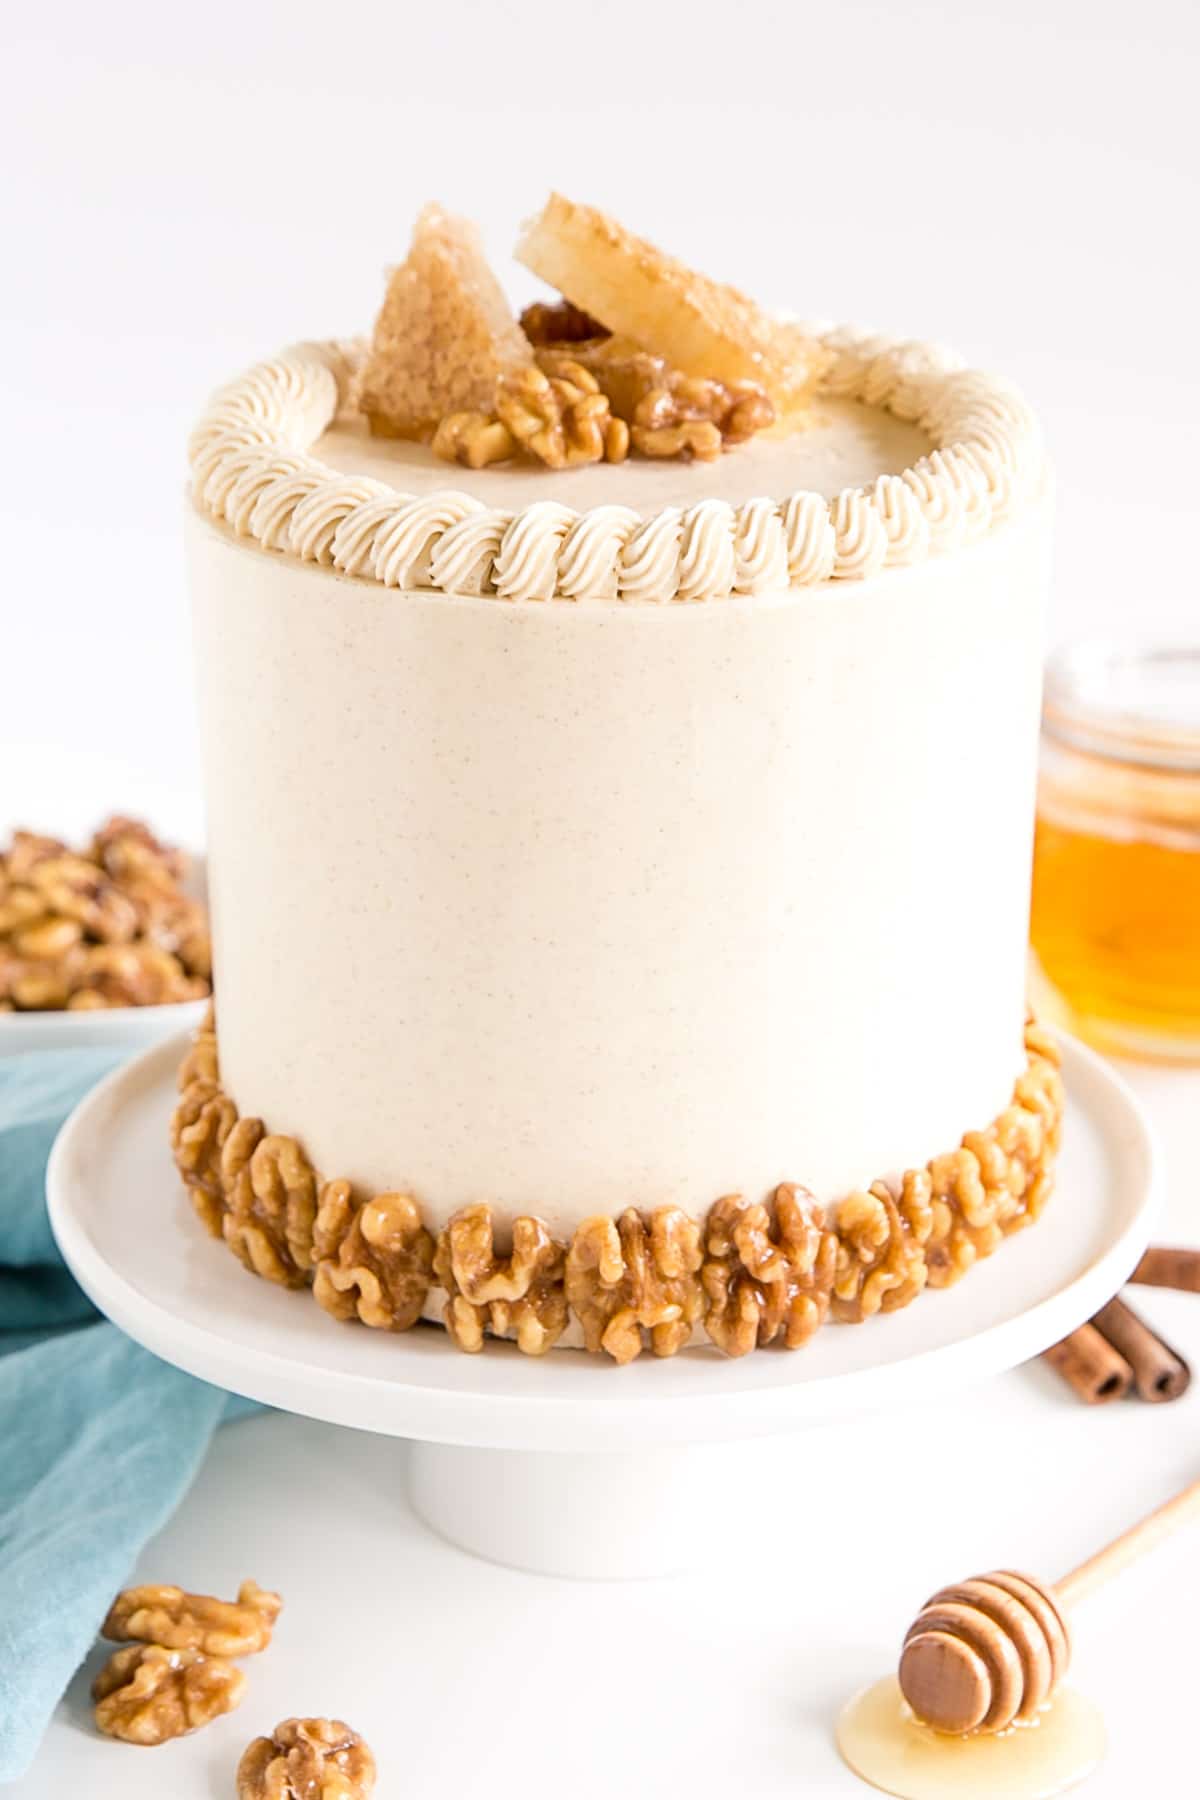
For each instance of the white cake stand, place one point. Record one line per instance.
(566, 1464)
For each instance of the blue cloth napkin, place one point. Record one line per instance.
(99, 1440)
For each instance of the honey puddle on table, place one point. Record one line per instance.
(881, 1741)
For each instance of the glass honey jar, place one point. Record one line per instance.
(1116, 881)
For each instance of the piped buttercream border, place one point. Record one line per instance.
(253, 471)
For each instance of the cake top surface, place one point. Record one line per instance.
(651, 436)
(844, 443)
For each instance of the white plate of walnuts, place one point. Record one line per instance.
(102, 944)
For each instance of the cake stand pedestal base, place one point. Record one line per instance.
(605, 1516)
(563, 1463)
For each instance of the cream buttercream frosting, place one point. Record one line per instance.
(931, 455)
(571, 907)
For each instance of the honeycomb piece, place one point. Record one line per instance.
(444, 336)
(699, 326)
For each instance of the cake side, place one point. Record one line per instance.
(566, 909)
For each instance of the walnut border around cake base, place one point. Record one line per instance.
(751, 1274)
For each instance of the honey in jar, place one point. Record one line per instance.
(1116, 884)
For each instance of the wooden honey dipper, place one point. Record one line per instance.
(989, 1652)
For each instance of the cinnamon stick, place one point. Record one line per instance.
(1169, 1268)
(1159, 1373)
(1092, 1367)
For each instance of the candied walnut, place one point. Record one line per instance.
(636, 1277)
(880, 1263)
(20, 908)
(443, 336)
(617, 440)
(39, 987)
(768, 1270)
(76, 889)
(673, 401)
(137, 974)
(374, 1258)
(128, 848)
(1029, 1133)
(521, 1293)
(560, 419)
(171, 920)
(1040, 1044)
(201, 1062)
(1039, 1090)
(271, 1205)
(959, 1177)
(307, 1759)
(200, 1125)
(193, 944)
(559, 322)
(245, 1135)
(101, 998)
(176, 1620)
(692, 442)
(954, 1246)
(668, 413)
(915, 1204)
(473, 439)
(26, 851)
(148, 873)
(744, 411)
(147, 1694)
(48, 940)
(163, 976)
(115, 973)
(1000, 1179)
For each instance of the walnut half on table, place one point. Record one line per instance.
(146, 1694)
(175, 1620)
(307, 1759)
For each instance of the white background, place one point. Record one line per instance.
(188, 188)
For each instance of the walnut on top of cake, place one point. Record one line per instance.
(640, 354)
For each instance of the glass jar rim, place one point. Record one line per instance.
(1132, 701)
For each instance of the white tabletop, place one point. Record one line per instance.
(224, 190)
(726, 1680)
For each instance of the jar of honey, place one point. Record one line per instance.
(1116, 879)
